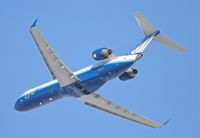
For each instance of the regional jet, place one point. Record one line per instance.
(84, 83)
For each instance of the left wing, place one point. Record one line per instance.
(97, 101)
(57, 69)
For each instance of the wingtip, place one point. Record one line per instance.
(183, 50)
(137, 14)
(166, 122)
(34, 23)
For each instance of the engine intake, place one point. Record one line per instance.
(101, 53)
(128, 74)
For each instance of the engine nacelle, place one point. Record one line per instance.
(128, 75)
(101, 53)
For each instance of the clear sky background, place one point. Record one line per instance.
(167, 85)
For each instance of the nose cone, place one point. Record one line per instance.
(19, 105)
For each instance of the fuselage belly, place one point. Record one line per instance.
(91, 79)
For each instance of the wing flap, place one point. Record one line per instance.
(56, 67)
(97, 101)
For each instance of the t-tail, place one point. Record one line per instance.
(152, 34)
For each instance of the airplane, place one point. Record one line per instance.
(84, 83)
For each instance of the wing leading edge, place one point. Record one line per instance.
(56, 67)
(97, 101)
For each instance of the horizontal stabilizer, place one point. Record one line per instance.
(152, 34)
(147, 28)
(165, 41)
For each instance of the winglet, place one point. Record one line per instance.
(166, 122)
(34, 23)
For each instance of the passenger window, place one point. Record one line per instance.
(32, 93)
(27, 96)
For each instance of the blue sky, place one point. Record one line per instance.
(167, 85)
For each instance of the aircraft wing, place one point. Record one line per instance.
(97, 101)
(57, 69)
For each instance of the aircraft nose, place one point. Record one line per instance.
(18, 105)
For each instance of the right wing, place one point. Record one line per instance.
(97, 101)
(57, 69)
